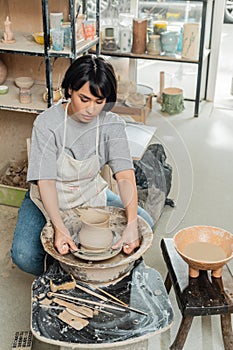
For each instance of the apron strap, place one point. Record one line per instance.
(65, 124)
(97, 137)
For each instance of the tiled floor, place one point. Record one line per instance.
(200, 150)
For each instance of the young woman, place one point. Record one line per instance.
(71, 142)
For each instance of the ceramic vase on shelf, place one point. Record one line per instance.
(169, 42)
(153, 46)
(109, 43)
(139, 35)
(125, 39)
(125, 23)
(191, 41)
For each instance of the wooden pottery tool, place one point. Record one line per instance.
(161, 81)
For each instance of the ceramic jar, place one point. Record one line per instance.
(191, 41)
(139, 35)
(125, 39)
(169, 42)
(57, 95)
(153, 46)
(109, 43)
(67, 33)
(3, 72)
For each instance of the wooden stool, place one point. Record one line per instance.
(198, 296)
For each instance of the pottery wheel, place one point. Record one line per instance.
(91, 255)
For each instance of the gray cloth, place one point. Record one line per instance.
(47, 141)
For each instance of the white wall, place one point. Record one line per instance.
(215, 45)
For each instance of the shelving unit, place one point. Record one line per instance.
(25, 57)
(41, 54)
(204, 49)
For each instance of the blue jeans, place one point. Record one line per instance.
(27, 251)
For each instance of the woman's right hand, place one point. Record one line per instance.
(63, 241)
(48, 192)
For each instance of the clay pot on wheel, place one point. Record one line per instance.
(95, 233)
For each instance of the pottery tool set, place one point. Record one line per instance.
(79, 312)
(75, 311)
(68, 282)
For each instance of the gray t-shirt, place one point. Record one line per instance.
(80, 142)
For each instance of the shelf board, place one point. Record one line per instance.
(81, 47)
(25, 44)
(177, 58)
(10, 101)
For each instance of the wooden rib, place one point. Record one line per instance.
(69, 297)
(112, 296)
(88, 290)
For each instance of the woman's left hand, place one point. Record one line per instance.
(129, 240)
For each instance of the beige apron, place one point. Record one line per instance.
(79, 182)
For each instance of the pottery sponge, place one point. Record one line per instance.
(62, 283)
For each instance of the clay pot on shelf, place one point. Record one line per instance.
(3, 72)
(139, 36)
(191, 41)
(57, 95)
(169, 43)
(153, 46)
(109, 43)
(24, 82)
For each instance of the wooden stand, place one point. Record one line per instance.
(198, 296)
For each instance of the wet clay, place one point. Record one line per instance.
(204, 251)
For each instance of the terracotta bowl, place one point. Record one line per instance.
(204, 248)
(24, 82)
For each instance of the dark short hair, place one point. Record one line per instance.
(98, 72)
